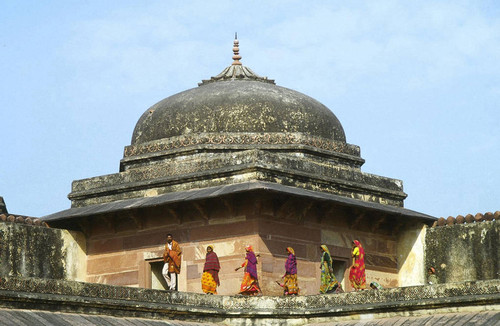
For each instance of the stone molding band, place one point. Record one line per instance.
(277, 138)
(146, 301)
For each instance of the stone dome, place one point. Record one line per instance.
(237, 101)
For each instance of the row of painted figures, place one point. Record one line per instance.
(250, 284)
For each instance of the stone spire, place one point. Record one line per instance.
(236, 50)
(236, 70)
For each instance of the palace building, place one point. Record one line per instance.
(240, 161)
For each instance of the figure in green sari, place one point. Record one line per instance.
(329, 282)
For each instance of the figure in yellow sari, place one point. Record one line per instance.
(210, 277)
(290, 284)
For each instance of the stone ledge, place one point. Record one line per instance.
(71, 296)
(135, 161)
(228, 174)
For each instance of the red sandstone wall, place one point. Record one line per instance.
(121, 249)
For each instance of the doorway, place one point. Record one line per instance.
(157, 280)
(339, 269)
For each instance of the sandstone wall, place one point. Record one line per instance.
(127, 249)
(464, 252)
(37, 251)
(410, 253)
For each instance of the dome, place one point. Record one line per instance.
(237, 101)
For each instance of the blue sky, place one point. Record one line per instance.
(415, 84)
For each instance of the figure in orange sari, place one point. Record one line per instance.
(210, 277)
(250, 283)
(172, 259)
(357, 273)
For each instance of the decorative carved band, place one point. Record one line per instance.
(241, 139)
(300, 305)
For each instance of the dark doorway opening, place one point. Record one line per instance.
(339, 268)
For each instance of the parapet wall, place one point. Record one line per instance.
(38, 251)
(464, 252)
(99, 299)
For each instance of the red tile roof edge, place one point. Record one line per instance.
(22, 219)
(468, 219)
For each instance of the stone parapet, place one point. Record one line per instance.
(464, 252)
(37, 251)
(70, 296)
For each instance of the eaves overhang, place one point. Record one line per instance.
(225, 190)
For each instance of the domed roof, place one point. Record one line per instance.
(237, 101)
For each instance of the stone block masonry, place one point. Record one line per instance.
(464, 252)
(37, 251)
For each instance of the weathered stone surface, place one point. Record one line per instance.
(35, 251)
(202, 170)
(464, 252)
(16, 317)
(22, 317)
(237, 106)
(233, 141)
(369, 307)
(123, 279)
(235, 130)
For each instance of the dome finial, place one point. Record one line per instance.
(236, 71)
(236, 50)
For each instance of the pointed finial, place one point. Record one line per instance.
(236, 50)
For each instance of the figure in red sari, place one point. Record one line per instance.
(357, 275)
(250, 283)
(210, 277)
